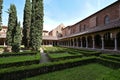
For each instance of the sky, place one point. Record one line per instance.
(56, 12)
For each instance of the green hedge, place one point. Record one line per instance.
(109, 63)
(63, 56)
(8, 54)
(19, 60)
(32, 70)
(111, 57)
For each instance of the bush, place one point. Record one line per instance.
(111, 57)
(63, 56)
(32, 70)
(8, 54)
(19, 60)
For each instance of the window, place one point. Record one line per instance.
(107, 19)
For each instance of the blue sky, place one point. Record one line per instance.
(56, 12)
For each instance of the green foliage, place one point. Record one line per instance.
(19, 60)
(27, 23)
(1, 2)
(17, 38)
(85, 72)
(36, 24)
(14, 31)
(12, 23)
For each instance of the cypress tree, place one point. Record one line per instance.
(17, 38)
(37, 24)
(1, 2)
(12, 23)
(27, 23)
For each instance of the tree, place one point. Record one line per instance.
(27, 23)
(17, 38)
(1, 2)
(37, 24)
(12, 23)
(14, 31)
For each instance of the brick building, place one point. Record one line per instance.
(100, 30)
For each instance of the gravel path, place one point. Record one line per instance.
(44, 57)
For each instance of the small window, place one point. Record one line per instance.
(107, 19)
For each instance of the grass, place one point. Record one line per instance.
(86, 72)
(61, 55)
(19, 58)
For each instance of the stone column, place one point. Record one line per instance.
(86, 42)
(4, 44)
(102, 38)
(93, 42)
(73, 42)
(115, 43)
(81, 43)
(77, 41)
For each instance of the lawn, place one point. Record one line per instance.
(61, 55)
(85, 72)
(13, 59)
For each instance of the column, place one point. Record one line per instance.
(93, 42)
(86, 42)
(81, 43)
(4, 44)
(73, 42)
(115, 43)
(77, 41)
(102, 38)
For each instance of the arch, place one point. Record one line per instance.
(118, 40)
(98, 41)
(83, 41)
(79, 42)
(108, 40)
(90, 42)
(107, 19)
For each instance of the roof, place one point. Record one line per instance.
(111, 25)
(49, 38)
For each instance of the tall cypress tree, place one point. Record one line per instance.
(1, 2)
(17, 38)
(12, 23)
(37, 24)
(27, 23)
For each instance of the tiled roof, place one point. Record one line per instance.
(49, 38)
(111, 25)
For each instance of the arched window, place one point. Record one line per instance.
(107, 19)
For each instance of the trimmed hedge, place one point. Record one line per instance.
(63, 56)
(111, 57)
(32, 70)
(19, 60)
(109, 63)
(86, 53)
(8, 54)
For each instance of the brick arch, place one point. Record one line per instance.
(90, 42)
(118, 40)
(83, 41)
(108, 40)
(98, 41)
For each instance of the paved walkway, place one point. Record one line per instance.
(44, 57)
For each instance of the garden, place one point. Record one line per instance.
(64, 64)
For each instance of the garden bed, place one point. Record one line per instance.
(63, 56)
(19, 60)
